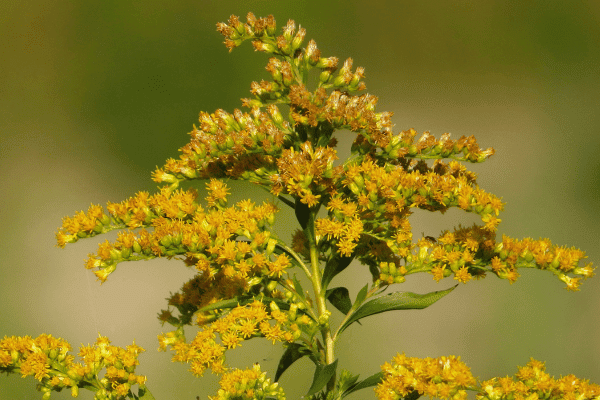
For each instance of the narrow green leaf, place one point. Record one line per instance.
(302, 213)
(414, 395)
(360, 297)
(323, 374)
(365, 383)
(395, 301)
(340, 298)
(298, 288)
(242, 301)
(223, 304)
(144, 394)
(293, 353)
(333, 267)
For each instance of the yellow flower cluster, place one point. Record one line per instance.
(47, 359)
(180, 226)
(241, 323)
(248, 384)
(533, 383)
(443, 377)
(542, 254)
(471, 252)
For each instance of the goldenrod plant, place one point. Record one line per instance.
(251, 283)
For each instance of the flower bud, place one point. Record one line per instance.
(298, 39)
(271, 286)
(271, 246)
(324, 318)
(325, 76)
(352, 186)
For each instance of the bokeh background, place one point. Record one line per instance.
(95, 94)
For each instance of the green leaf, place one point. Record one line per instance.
(340, 298)
(414, 395)
(395, 301)
(360, 297)
(298, 288)
(223, 304)
(242, 301)
(302, 213)
(293, 353)
(333, 267)
(144, 394)
(365, 383)
(323, 374)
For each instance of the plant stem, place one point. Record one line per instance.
(315, 278)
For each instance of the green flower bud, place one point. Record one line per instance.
(271, 246)
(354, 188)
(339, 81)
(384, 267)
(393, 269)
(503, 255)
(527, 255)
(293, 311)
(324, 318)
(271, 286)
(166, 241)
(126, 252)
(105, 219)
(115, 254)
(325, 76)
(360, 182)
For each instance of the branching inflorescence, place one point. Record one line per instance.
(246, 283)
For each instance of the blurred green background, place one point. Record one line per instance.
(95, 94)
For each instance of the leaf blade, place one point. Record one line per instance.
(323, 374)
(293, 353)
(395, 301)
(340, 298)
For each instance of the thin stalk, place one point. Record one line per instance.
(322, 311)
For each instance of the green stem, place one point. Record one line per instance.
(315, 278)
(296, 257)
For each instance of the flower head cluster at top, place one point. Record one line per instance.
(370, 196)
(46, 358)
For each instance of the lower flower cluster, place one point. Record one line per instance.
(46, 358)
(207, 349)
(248, 384)
(448, 378)
(532, 382)
(443, 377)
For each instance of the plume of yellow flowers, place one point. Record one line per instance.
(356, 210)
